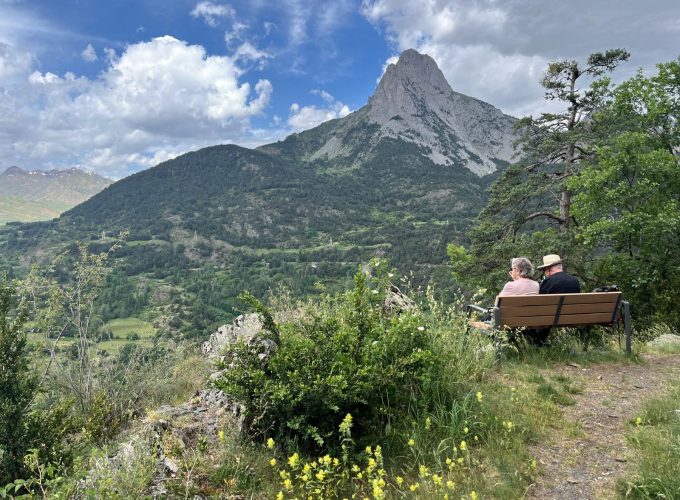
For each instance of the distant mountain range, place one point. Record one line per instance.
(44, 194)
(401, 177)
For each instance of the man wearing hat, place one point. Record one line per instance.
(556, 279)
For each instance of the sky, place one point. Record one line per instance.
(117, 86)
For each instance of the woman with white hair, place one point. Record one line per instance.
(521, 270)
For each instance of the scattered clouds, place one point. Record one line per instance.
(211, 13)
(496, 50)
(89, 54)
(155, 100)
(305, 117)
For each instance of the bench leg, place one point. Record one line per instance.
(627, 327)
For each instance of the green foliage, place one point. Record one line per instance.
(343, 356)
(656, 437)
(17, 382)
(630, 212)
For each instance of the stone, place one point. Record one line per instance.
(665, 340)
(245, 327)
(397, 302)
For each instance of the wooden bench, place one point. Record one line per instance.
(565, 309)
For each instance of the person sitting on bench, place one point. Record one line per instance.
(521, 270)
(557, 280)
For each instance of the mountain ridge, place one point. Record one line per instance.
(302, 211)
(30, 195)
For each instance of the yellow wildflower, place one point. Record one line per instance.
(413, 487)
(399, 480)
(284, 474)
(423, 471)
(480, 396)
(221, 436)
(346, 424)
(411, 442)
(294, 460)
(534, 464)
(437, 480)
(270, 443)
(306, 468)
(428, 423)
(463, 446)
(304, 478)
(326, 460)
(460, 460)
(368, 450)
(450, 485)
(336, 462)
(360, 475)
(638, 421)
(320, 475)
(355, 468)
(272, 461)
(279, 496)
(288, 484)
(473, 495)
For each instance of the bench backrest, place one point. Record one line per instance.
(565, 309)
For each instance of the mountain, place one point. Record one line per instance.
(401, 177)
(413, 104)
(44, 194)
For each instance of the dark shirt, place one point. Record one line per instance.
(560, 283)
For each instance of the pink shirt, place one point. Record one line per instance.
(522, 286)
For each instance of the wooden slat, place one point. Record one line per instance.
(565, 320)
(584, 319)
(523, 312)
(531, 321)
(591, 298)
(527, 300)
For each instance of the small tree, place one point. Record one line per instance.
(529, 210)
(17, 384)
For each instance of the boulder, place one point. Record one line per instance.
(245, 327)
(665, 340)
(397, 302)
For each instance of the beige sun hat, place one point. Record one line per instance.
(550, 260)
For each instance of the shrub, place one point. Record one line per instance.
(17, 383)
(345, 355)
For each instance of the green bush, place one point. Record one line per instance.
(344, 355)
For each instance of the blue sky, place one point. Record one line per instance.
(117, 86)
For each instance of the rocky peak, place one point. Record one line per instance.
(412, 72)
(415, 103)
(13, 171)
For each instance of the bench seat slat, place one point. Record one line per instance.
(569, 298)
(528, 311)
(564, 320)
(591, 298)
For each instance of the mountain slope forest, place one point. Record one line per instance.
(207, 225)
(357, 245)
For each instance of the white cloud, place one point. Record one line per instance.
(89, 54)
(211, 12)
(324, 95)
(248, 53)
(305, 117)
(496, 50)
(156, 100)
(13, 63)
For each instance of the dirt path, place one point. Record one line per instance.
(587, 466)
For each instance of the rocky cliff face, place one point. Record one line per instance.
(415, 104)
